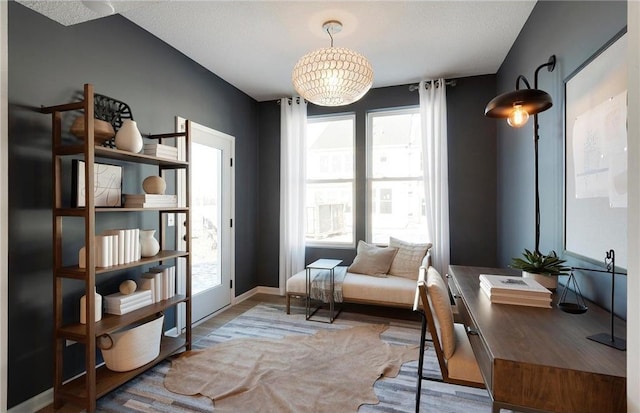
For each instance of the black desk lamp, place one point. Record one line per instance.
(516, 107)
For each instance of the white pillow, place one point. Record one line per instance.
(372, 260)
(408, 259)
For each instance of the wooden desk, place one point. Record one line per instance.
(537, 359)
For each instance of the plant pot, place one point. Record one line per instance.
(549, 282)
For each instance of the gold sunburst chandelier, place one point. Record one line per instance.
(332, 76)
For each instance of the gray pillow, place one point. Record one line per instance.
(372, 260)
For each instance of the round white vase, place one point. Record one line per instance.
(98, 307)
(149, 246)
(549, 282)
(128, 137)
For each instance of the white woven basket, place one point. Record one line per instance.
(129, 349)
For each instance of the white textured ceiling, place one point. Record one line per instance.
(254, 44)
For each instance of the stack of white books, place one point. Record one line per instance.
(120, 304)
(150, 201)
(161, 151)
(515, 290)
(114, 247)
(161, 281)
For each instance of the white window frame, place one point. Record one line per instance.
(352, 243)
(369, 162)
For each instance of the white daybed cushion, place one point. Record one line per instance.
(388, 290)
(391, 289)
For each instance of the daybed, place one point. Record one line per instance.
(385, 276)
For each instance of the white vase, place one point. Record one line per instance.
(549, 282)
(128, 137)
(149, 246)
(98, 307)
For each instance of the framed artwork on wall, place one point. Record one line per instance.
(595, 213)
(107, 184)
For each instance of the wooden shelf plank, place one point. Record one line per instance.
(79, 273)
(101, 151)
(112, 322)
(107, 380)
(80, 212)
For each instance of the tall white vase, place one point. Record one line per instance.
(128, 137)
(149, 246)
(98, 307)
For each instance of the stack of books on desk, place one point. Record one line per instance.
(515, 290)
(161, 151)
(150, 201)
(120, 304)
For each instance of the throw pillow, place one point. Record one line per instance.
(441, 306)
(372, 260)
(408, 258)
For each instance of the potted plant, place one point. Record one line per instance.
(545, 269)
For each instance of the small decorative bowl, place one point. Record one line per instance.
(102, 130)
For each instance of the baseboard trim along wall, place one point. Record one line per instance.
(256, 290)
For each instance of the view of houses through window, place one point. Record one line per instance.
(395, 204)
(330, 180)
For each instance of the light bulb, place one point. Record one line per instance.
(518, 117)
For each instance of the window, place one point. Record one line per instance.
(395, 177)
(330, 180)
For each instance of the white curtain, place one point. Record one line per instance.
(293, 124)
(433, 113)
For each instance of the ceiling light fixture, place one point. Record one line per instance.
(332, 76)
(102, 7)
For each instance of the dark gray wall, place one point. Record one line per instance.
(572, 31)
(472, 173)
(48, 64)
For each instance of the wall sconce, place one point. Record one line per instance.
(516, 107)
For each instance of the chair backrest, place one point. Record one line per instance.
(432, 295)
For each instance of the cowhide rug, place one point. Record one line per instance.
(330, 371)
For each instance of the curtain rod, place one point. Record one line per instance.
(452, 83)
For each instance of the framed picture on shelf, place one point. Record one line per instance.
(107, 184)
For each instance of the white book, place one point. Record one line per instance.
(151, 197)
(119, 298)
(514, 285)
(102, 243)
(127, 309)
(149, 205)
(119, 244)
(147, 282)
(157, 283)
(136, 240)
(514, 298)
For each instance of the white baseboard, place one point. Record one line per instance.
(45, 398)
(256, 290)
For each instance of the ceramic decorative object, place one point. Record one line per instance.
(549, 282)
(128, 137)
(128, 287)
(154, 185)
(149, 246)
(83, 309)
(102, 130)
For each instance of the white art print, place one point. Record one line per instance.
(107, 184)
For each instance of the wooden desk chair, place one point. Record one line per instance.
(457, 362)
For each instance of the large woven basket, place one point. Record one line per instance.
(129, 349)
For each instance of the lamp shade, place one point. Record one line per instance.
(332, 76)
(531, 100)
